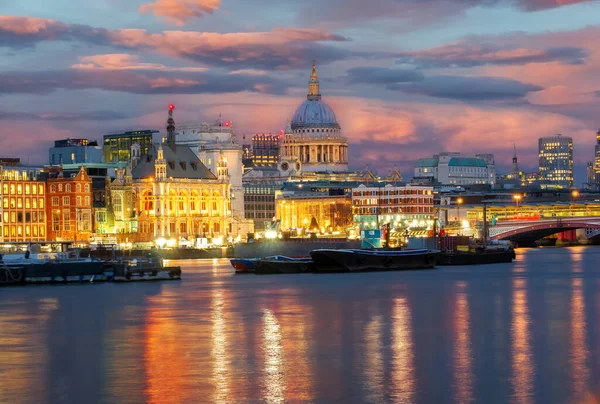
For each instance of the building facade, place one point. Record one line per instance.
(216, 144)
(406, 209)
(117, 146)
(265, 149)
(75, 151)
(597, 159)
(22, 205)
(177, 196)
(313, 141)
(556, 161)
(454, 169)
(69, 207)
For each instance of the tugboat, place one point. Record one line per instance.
(326, 260)
(477, 255)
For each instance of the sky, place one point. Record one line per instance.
(406, 78)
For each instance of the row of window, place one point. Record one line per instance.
(68, 188)
(66, 201)
(19, 203)
(17, 217)
(18, 189)
(27, 231)
(393, 210)
(259, 198)
(396, 201)
(396, 192)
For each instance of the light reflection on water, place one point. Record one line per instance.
(518, 333)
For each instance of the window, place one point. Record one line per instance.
(5, 203)
(42, 231)
(27, 189)
(41, 204)
(66, 200)
(40, 191)
(60, 187)
(78, 201)
(68, 188)
(20, 189)
(66, 221)
(34, 203)
(13, 203)
(78, 187)
(52, 188)
(12, 189)
(87, 201)
(56, 222)
(27, 203)
(55, 201)
(87, 188)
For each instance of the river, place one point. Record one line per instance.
(526, 332)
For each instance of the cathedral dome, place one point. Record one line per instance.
(314, 112)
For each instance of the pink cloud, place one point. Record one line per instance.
(125, 61)
(181, 11)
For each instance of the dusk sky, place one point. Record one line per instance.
(406, 78)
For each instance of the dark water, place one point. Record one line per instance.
(527, 332)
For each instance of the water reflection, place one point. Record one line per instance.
(374, 360)
(403, 383)
(463, 375)
(579, 352)
(274, 377)
(219, 349)
(522, 364)
(25, 354)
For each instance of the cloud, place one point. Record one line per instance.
(467, 88)
(472, 54)
(382, 75)
(181, 11)
(280, 48)
(136, 82)
(50, 116)
(124, 61)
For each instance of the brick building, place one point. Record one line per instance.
(69, 206)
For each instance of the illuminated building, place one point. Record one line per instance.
(259, 201)
(404, 208)
(454, 169)
(216, 144)
(313, 142)
(315, 213)
(69, 206)
(177, 196)
(121, 204)
(117, 146)
(75, 151)
(556, 161)
(265, 149)
(22, 205)
(597, 159)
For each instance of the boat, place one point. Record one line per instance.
(476, 257)
(283, 265)
(243, 265)
(326, 260)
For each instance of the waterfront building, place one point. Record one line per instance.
(453, 169)
(216, 144)
(22, 204)
(407, 209)
(312, 142)
(177, 196)
(556, 161)
(69, 207)
(117, 145)
(265, 149)
(75, 151)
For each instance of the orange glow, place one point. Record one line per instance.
(463, 375)
(274, 377)
(403, 377)
(374, 374)
(522, 365)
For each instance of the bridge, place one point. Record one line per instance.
(527, 231)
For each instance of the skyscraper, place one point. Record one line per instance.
(556, 160)
(597, 159)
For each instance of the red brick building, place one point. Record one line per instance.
(69, 206)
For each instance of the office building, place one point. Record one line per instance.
(75, 151)
(265, 149)
(453, 169)
(597, 159)
(556, 161)
(117, 146)
(22, 205)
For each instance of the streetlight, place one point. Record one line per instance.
(574, 194)
(517, 198)
(459, 201)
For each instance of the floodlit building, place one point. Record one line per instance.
(556, 161)
(69, 207)
(312, 142)
(177, 196)
(22, 205)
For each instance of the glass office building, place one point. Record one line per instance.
(556, 161)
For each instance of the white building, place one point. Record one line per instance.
(454, 169)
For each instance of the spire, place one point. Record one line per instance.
(171, 126)
(313, 84)
(515, 164)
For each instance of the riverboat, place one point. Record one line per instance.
(326, 260)
(283, 265)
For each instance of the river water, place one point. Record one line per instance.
(526, 332)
